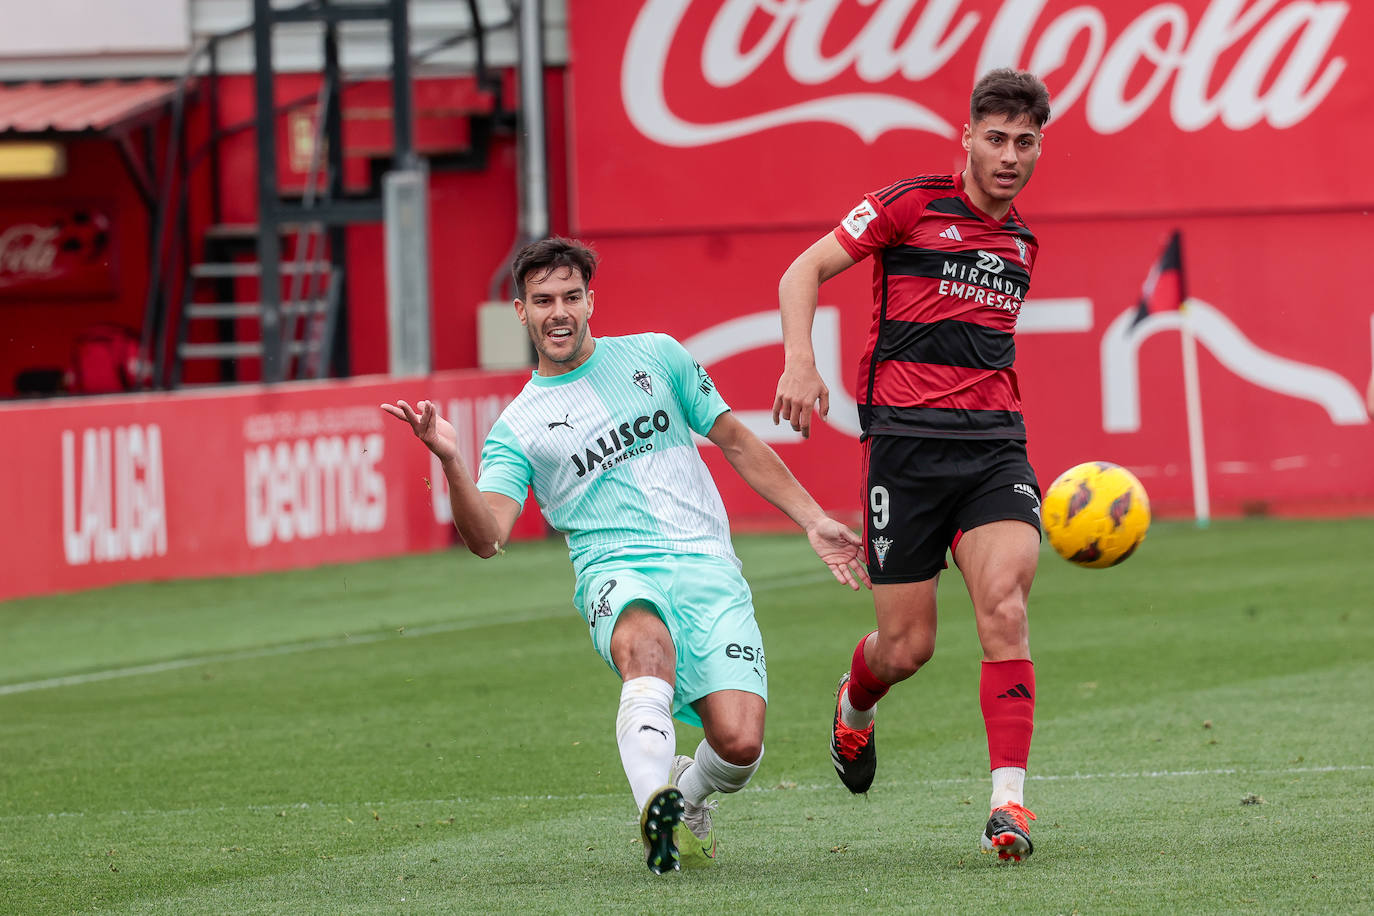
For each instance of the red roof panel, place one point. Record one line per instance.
(74, 107)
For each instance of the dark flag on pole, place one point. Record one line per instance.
(1164, 289)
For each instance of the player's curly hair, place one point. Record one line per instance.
(541, 258)
(1012, 94)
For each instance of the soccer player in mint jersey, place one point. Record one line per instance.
(944, 444)
(603, 433)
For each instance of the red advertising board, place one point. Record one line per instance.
(116, 489)
(714, 141)
(751, 114)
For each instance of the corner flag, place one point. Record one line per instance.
(1164, 288)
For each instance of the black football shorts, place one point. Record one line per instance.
(921, 494)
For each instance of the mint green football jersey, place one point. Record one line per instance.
(608, 451)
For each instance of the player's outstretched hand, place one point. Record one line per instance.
(841, 549)
(430, 428)
(801, 390)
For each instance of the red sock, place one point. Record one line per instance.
(864, 688)
(1006, 692)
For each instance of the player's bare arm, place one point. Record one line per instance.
(801, 389)
(761, 468)
(484, 520)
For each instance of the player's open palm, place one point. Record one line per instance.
(841, 549)
(430, 428)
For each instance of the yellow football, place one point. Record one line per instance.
(1096, 514)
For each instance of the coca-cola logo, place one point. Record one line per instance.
(1240, 62)
(28, 249)
(48, 251)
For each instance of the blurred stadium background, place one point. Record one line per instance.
(230, 228)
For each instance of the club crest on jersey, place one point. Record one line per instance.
(1021, 247)
(880, 546)
(644, 382)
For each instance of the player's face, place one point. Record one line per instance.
(1001, 157)
(554, 311)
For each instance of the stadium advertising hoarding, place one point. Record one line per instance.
(762, 109)
(163, 486)
(758, 126)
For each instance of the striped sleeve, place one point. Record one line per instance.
(865, 229)
(878, 221)
(692, 385)
(505, 469)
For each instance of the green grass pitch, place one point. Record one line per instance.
(434, 734)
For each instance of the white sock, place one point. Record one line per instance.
(1008, 786)
(855, 718)
(644, 732)
(709, 773)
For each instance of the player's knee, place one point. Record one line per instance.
(904, 667)
(1003, 629)
(641, 646)
(1007, 615)
(648, 658)
(738, 748)
(903, 657)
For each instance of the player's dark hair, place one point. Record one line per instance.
(1012, 94)
(540, 259)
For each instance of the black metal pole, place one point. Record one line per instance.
(212, 134)
(154, 332)
(176, 290)
(402, 107)
(269, 236)
(334, 361)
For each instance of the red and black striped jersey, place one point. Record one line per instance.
(948, 284)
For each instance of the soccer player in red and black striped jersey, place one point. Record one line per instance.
(944, 443)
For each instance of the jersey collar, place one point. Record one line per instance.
(959, 186)
(549, 381)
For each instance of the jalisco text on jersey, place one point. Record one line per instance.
(619, 439)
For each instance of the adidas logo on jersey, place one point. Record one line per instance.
(952, 233)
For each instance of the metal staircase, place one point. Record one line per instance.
(267, 301)
(222, 321)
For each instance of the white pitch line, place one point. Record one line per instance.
(751, 790)
(174, 664)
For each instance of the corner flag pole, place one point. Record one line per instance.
(1197, 449)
